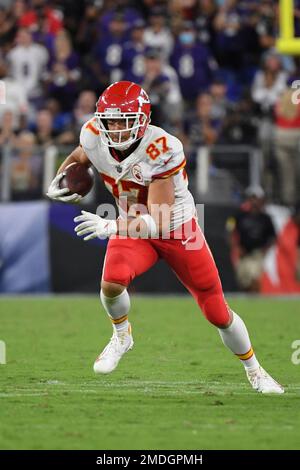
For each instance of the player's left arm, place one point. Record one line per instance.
(161, 198)
(157, 217)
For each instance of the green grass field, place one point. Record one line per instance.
(179, 388)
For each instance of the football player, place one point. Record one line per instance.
(144, 165)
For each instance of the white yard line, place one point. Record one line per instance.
(150, 296)
(161, 388)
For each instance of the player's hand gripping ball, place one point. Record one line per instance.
(72, 184)
(78, 179)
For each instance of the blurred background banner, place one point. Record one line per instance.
(281, 272)
(40, 252)
(24, 247)
(76, 266)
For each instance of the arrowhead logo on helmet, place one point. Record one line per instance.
(143, 98)
(126, 102)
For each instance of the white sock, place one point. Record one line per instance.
(117, 309)
(236, 338)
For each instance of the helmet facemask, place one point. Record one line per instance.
(136, 128)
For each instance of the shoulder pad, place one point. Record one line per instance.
(89, 135)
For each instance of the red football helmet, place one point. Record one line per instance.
(123, 100)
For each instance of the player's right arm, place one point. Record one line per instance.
(88, 139)
(77, 156)
(55, 192)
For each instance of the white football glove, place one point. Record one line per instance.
(56, 193)
(95, 226)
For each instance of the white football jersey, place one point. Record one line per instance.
(159, 155)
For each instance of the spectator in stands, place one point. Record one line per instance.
(19, 9)
(7, 134)
(193, 63)
(44, 131)
(61, 120)
(221, 104)
(85, 30)
(27, 62)
(185, 9)
(15, 97)
(85, 108)
(63, 72)
(161, 83)
(147, 6)
(251, 234)
(158, 35)
(41, 33)
(239, 126)
(207, 11)
(8, 29)
(287, 146)
(46, 134)
(108, 50)
(269, 83)
(72, 15)
(133, 64)
(39, 9)
(228, 36)
(7, 138)
(26, 169)
(121, 8)
(202, 129)
(267, 24)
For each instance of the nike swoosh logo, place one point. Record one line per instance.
(184, 242)
(168, 160)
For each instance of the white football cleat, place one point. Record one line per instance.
(119, 344)
(262, 382)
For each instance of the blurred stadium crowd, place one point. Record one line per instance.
(209, 66)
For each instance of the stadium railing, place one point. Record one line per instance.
(222, 172)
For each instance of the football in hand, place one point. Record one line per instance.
(78, 178)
